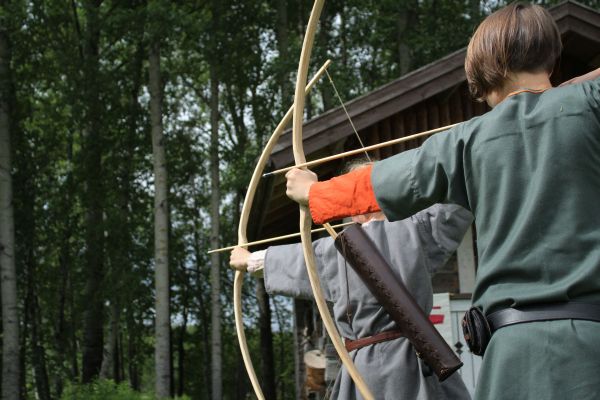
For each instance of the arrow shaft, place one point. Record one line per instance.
(278, 238)
(361, 150)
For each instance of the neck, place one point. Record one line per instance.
(519, 81)
(527, 80)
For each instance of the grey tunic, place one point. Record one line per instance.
(414, 247)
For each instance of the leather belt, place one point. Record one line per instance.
(544, 312)
(366, 341)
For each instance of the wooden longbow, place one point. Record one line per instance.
(243, 239)
(305, 218)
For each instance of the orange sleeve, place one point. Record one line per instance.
(343, 196)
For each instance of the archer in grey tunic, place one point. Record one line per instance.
(415, 248)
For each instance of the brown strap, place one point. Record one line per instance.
(380, 337)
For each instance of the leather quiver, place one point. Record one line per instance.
(366, 260)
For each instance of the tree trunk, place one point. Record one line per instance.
(215, 215)
(63, 318)
(71, 335)
(8, 285)
(404, 55)
(283, 43)
(23, 351)
(132, 351)
(120, 367)
(109, 361)
(181, 353)
(38, 354)
(62, 327)
(124, 258)
(161, 231)
(202, 308)
(93, 336)
(266, 342)
(325, 38)
(121, 264)
(32, 324)
(73, 338)
(241, 379)
(215, 275)
(302, 326)
(343, 39)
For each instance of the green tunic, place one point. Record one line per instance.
(529, 170)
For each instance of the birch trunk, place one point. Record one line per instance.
(8, 285)
(161, 231)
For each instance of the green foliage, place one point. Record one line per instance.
(106, 390)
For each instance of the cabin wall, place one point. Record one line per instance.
(452, 106)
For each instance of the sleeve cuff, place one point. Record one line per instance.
(256, 261)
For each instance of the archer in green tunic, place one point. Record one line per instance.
(529, 170)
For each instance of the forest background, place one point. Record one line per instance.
(128, 132)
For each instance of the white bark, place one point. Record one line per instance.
(161, 231)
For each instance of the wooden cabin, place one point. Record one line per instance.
(430, 97)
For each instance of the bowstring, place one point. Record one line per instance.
(337, 94)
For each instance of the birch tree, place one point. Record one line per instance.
(162, 355)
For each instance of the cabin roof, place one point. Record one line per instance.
(579, 26)
(330, 132)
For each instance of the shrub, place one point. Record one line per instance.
(105, 390)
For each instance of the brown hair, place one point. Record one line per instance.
(517, 38)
